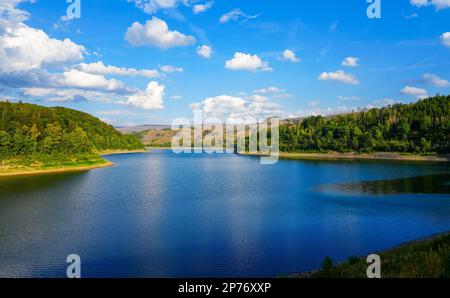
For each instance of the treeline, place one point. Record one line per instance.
(422, 127)
(27, 129)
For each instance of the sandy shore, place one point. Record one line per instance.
(364, 156)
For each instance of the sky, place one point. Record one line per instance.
(133, 62)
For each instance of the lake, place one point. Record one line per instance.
(159, 214)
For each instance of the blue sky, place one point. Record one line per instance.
(133, 62)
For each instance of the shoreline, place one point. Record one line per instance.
(116, 152)
(31, 172)
(396, 251)
(355, 156)
(97, 164)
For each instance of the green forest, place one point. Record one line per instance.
(31, 130)
(422, 127)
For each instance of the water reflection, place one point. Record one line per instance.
(428, 184)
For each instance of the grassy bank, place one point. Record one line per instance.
(362, 156)
(31, 165)
(424, 258)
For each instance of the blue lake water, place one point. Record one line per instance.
(160, 214)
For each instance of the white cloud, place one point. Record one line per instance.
(204, 51)
(434, 80)
(155, 32)
(271, 89)
(170, 69)
(339, 76)
(11, 14)
(152, 98)
(236, 15)
(237, 109)
(23, 48)
(101, 69)
(78, 95)
(152, 6)
(79, 79)
(417, 92)
(350, 62)
(199, 8)
(438, 4)
(176, 97)
(445, 39)
(38, 92)
(383, 102)
(273, 92)
(289, 55)
(247, 62)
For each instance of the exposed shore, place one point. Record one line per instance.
(362, 156)
(26, 171)
(7, 170)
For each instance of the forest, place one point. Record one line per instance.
(422, 127)
(32, 130)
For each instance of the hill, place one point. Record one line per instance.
(422, 127)
(47, 137)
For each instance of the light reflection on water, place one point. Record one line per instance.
(165, 215)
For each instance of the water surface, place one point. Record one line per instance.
(164, 215)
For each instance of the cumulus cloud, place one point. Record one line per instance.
(100, 69)
(339, 76)
(438, 4)
(155, 32)
(350, 62)
(152, 98)
(236, 109)
(10, 13)
(199, 8)
(445, 39)
(236, 15)
(17, 40)
(289, 55)
(79, 79)
(204, 51)
(413, 91)
(435, 80)
(247, 62)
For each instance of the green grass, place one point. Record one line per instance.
(429, 258)
(39, 162)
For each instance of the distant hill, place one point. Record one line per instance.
(27, 129)
(141, 128)
(422, 127)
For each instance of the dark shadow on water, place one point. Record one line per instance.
(14, 186)
(429, 184)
